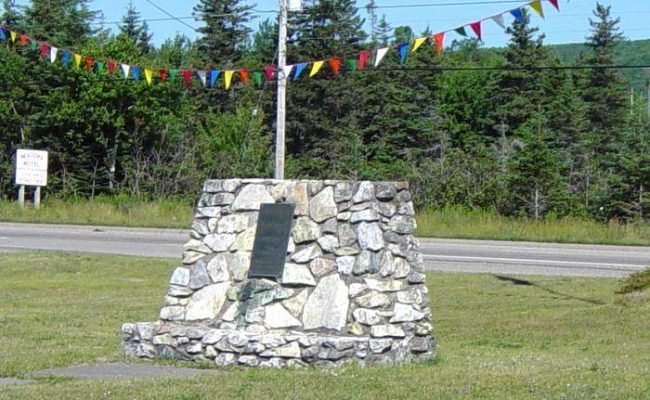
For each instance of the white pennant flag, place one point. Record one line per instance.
(498, 19)
(125, 68)
(380, 55)
(203, 77)
(53, 52)
(287, 70)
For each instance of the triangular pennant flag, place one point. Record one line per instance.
(257, 77)
(227, 78)
(77, 60)
(287, 71)
(315, 68)
(537, 6)
(381, 53)
(352, 64)
(518, 14)
(33, 44)
(418, 43)
(163, 74)
(13, 35)
(89, 63)
(203, 77)
(269, 70)
(555, 4)
(3, 35)
(335, 65)
(461, 31)
(23, 39)
(100, 67)
(243, 75)
(135, 73)
(44, 49)
(476, 27)
(363, 58)
(173, 73)
(148, 75)
(498, 19)
(187, 77)
(111, 66)
(214, 75)
(299, 68)
(439, 39)
(53, 53)
(403, 50)
(66, 57)
(125, 70)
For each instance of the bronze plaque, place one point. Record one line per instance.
(271, 240)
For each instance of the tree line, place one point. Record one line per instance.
(513, 130)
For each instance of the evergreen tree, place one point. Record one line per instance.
(136, 30)
(10, 15)
(224, 36)
(64, 22)
(383, 32)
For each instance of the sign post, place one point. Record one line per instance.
(31, 170)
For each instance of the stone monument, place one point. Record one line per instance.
(289, 273)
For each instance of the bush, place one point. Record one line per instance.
(636, 282)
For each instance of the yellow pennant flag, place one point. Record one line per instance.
(537, 6)
(148, 75)
(13, 35)
(315, 68)
(228, 78)
(77, 60)
(418, 43)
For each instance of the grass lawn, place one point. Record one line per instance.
(543, 338)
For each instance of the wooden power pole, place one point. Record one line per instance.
(282, 92)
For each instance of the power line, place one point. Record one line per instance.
(171, 15)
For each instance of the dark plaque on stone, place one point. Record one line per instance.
(271, 240)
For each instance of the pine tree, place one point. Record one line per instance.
(136, 30)
(64, 22)
(224, 37)
(383, 32)
(10, 15)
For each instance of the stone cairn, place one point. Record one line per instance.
(352, 289)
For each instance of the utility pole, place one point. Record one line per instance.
(282, 92)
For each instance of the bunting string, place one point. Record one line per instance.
(208, 77)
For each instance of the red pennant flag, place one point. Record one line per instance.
(243, 74)
(163, 74)
(187, 77)
(335, 64)
(476, 27)
(269, 70)
(44, 49)
(555, 4)
(89, 63)
(23, 39)
(363, 58)
(111, 66)
(439, 39)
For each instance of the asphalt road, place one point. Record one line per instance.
(448, 255)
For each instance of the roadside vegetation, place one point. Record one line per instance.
(498, 338)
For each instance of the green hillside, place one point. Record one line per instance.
(633, 52)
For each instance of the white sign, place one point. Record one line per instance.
(295, 5)
(31, 167)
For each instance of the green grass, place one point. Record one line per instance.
(446, 223)
(103, 211)
(477, 224)
(541, 338)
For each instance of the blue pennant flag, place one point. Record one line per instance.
(403, 49)
(214, 75)
(519, 16)
(3, 36)
(66, 58)
(135, 73)
(299, 68)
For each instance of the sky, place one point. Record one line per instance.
(570, 25)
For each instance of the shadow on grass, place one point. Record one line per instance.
(523, 282)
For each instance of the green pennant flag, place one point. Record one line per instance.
(352, 64)
(461, 31)
(100, 67)
(173, 73)
(257, 77)
(33, 45)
